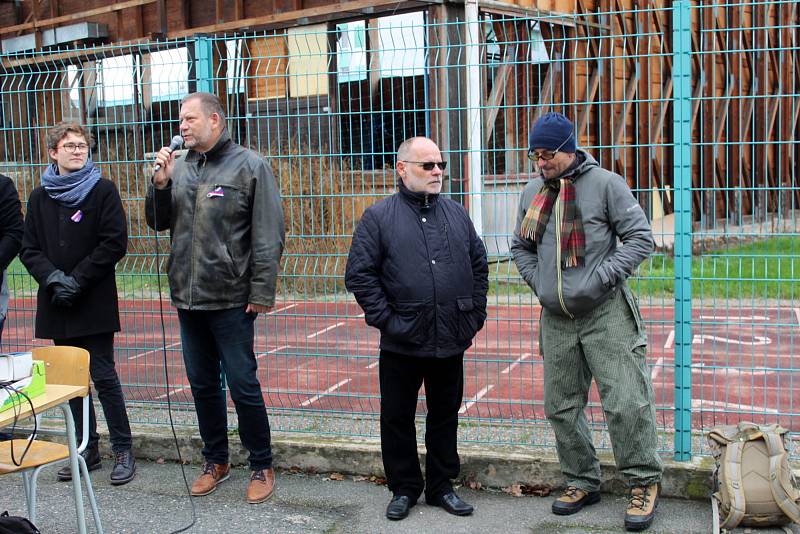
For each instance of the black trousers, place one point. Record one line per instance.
(109, 391)
(400, 379)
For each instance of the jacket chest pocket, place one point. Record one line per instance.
(438, 238)
(222, 202)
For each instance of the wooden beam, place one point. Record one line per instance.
(219, 10)
(342, 8)
(47, 23)
(498, 90)
(161, 18)
(373, 57)
(120, 48)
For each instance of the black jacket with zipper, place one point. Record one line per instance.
(419, 271)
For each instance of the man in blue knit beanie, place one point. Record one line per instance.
(570, 218)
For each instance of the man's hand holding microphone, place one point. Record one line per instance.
(165, 159)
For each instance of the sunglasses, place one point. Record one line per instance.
(428, 165)
(547, 155)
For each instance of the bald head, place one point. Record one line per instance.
(412, 156)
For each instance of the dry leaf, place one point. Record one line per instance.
(161, 461)
(515, 490)
(360, 479)
(538, 490)
(336, 476)
(471, 482)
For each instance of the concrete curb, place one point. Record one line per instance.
(491, 466)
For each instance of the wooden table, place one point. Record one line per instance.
(56, 396)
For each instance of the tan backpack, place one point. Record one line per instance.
(753, 483)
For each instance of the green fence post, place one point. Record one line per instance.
(682, 169)
(204, 68)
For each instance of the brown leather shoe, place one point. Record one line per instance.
(642, 506)
(573, 500)
(262, 483)
(212, 475)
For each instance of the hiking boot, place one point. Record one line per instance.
(93, 463)
(124, 468)
(262, 484)
(573, 500)
(642, 505)
(212, 475)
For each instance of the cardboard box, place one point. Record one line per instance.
(15, 366)
(31, 386)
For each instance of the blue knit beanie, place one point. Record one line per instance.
(551, 131)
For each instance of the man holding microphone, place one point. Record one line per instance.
(223, 209)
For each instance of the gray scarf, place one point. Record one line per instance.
(70, 189)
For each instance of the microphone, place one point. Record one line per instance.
(176, 143)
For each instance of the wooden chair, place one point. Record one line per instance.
(63, 365)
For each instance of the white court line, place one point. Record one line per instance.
(173, 392)
(289, 307)
(476, 398)
(273, 351)
(670, 340)
(315, 398)
(797, 314)
(159, 349)
(515, 363)
(373, 365)
(361, 316)
(700, 403)
(656, 369)
(736, 317)
(315, 334)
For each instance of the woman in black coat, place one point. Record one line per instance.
(75, 233)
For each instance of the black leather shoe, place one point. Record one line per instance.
(124, 468)
(93, 463)
(398, 507)
(452, 504)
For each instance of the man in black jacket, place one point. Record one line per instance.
(10, 242)
(11, 227)
(75, 233)
(419, 271)
(223, 209)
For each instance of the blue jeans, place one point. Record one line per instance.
(213, 341)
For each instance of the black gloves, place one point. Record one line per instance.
(65, 289)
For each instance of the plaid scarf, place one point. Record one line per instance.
(573, 239)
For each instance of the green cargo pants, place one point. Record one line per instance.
(609, 344)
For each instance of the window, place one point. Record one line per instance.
(351, 53)
(402, 45)
(115, 80)
(234, 70)
(169, 74)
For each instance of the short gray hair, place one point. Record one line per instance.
(209, 103)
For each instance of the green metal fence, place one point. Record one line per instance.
(697, 106)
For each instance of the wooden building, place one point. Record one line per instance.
(608, 64)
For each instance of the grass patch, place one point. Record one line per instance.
(765, 269)
(769, 268)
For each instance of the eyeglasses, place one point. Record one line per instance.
(428, 165)
(547, 155)
(73, 147)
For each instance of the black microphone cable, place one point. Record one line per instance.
(177, 141)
